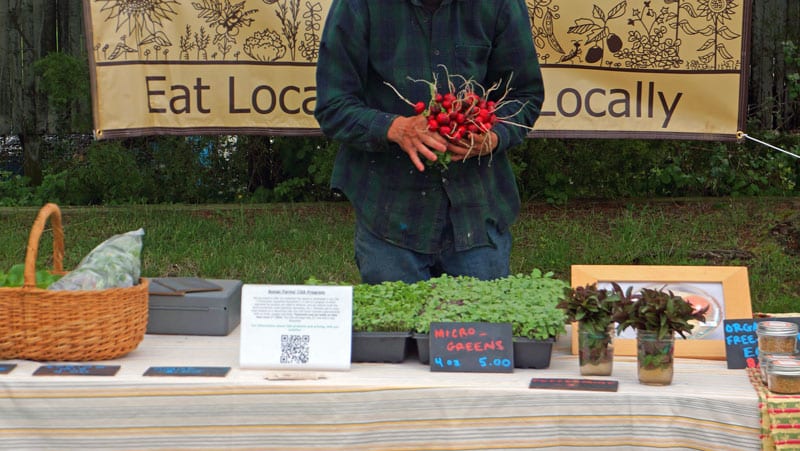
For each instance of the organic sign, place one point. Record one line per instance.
(741, 342)
(471, 347)
(611, 68)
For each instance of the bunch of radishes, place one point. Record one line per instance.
(463, 110)
(458, 115)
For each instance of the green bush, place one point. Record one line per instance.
(65, 80)
(292, 169)
(559, 170)
(109, 175)
(165, 169)
(222, 169)
(14, 190)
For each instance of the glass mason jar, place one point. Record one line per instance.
(596, 351)
(783, 376)
(654, 358)
(777, 337)
(764, 361)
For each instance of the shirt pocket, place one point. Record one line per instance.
(472, 60)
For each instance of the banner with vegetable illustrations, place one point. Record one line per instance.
(612, 68)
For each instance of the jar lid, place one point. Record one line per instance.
(776, 328)
(764, 357)
(785, 367)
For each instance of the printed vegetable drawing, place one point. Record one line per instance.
(463, 111)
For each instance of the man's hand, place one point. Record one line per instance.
(475, 145)
(412, 135)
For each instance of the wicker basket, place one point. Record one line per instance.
(62, 325)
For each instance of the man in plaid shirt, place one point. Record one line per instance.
(414, 220)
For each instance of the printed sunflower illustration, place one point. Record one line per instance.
(143, 18)
(716, 10)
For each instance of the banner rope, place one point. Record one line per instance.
(741, 135)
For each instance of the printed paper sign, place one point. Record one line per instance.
(303, 327)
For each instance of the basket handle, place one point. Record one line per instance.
(51, 211)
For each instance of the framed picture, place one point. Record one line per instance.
(725, 289)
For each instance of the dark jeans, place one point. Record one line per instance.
(380, 261)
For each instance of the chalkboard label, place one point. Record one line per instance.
(76, 370)
(188, 371)
(574, 384)
(741, 341)
(6, 368)
(471, 347)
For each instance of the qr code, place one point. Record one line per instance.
(294, 348)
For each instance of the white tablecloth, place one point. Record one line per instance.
(371, 407)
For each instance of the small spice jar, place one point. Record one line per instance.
(764, 360)
(777, 337)
(783, 376)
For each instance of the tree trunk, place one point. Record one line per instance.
(263, 167)
(35, 21)
(32, 156)
(71, 36)
(774, 22)
(792, 19)
(72, 41)
(8, 38)
(766, 31)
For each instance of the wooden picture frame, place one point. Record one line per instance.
(726, 288)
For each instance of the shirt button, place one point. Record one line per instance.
(436, 52)
(444, 180)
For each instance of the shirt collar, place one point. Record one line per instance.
(444, 2)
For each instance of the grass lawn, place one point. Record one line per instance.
(288, 243)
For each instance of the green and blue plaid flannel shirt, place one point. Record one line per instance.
(368, 42)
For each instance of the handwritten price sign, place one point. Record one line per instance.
(471, 347)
